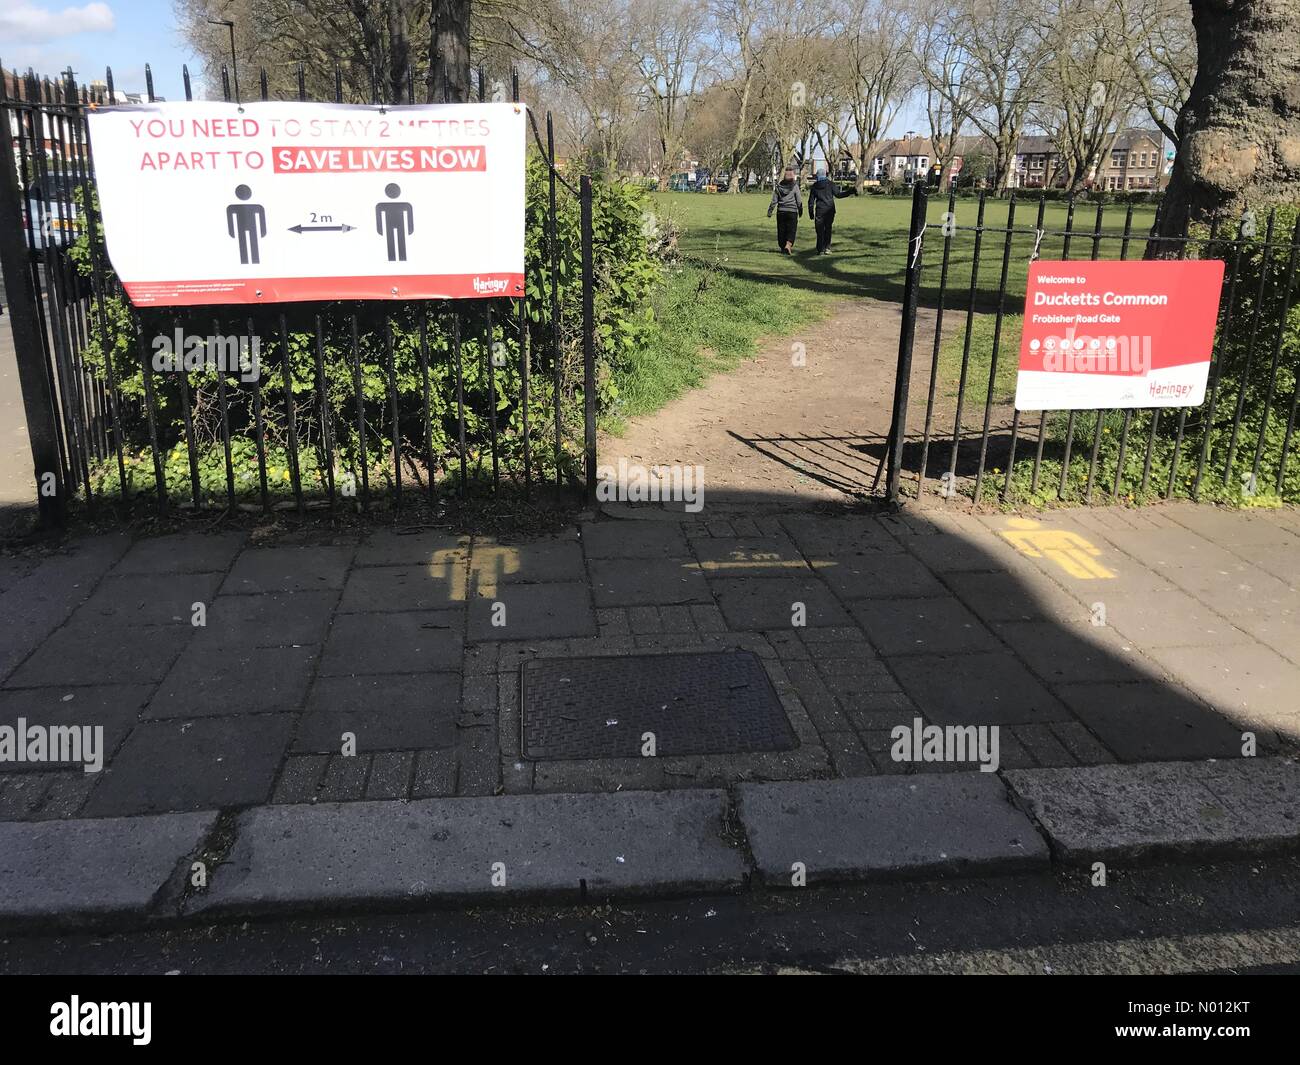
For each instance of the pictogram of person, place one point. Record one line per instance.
(250, 220)
(1067, 549)
(394, 221)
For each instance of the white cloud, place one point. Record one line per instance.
(24, 22)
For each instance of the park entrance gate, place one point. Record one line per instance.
(954, 430)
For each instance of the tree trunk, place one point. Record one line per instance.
(1239, 131)
(449, 80)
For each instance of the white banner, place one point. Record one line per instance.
(207, 203)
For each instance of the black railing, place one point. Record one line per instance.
(1237, 444)
(354, 398)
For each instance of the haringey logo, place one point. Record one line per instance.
(133, 1019)
(490, 284)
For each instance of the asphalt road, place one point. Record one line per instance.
(1223, 919)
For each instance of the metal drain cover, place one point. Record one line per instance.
(715, 703)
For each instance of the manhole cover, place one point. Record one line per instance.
(718, 703)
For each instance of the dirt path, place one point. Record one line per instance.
(772, 432)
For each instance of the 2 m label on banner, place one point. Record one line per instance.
(280, 202)
(1117, 334)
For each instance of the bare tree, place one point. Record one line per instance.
(881, 71)
(672, 49)
(1003, 59)
(1089, 87)
(941, 62)
(1159, 45)
(581, 46)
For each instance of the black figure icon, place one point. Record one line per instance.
(394, 221)
(250, 219)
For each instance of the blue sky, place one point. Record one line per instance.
(124, 34)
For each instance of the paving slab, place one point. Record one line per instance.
(242, 680)
(1169, 618)
(437, 586)
(970, 551)
(113, 707)
(875, 827)
(652, 581)
(1152, 811)
(1249, 683)
(877, 575)
(769, 603)
(150, 599)
(182, 553)
(383, 712)
(385, 853)
(35, 604)
(409, 642)
(533, 612)
(1080, 651)
(420, 547)
(976, 689)
(1014, 595)
(193, 765)
(824, 539)
(920, 626)
(1152, 722)
(288, 569)
(634, 539)
(88, 869)
(549, 558)
(100, 652)
(276, 619)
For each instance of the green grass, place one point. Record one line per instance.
(952, 348)
(734, 287)
(871, 239)
(706, 320)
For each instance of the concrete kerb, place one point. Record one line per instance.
(588, 847)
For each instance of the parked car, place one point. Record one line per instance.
(50, 212)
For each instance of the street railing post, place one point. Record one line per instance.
(25, 322)
(588, 340)
(906, 336)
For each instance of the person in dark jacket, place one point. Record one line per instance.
(821, 209)
(788, 205)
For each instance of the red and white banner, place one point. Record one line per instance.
(208, 203)
(1117, 334)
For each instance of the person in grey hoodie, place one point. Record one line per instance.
(787, 204)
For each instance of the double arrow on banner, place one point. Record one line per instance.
(321, 229)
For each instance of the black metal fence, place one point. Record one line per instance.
(1239, 444)
(352, 401)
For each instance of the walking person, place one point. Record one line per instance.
(821, 209)
(788, 205)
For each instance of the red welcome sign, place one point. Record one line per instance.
(1117, 334)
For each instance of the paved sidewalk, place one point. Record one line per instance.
(1089, 636)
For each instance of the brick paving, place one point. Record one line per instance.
(386, 665)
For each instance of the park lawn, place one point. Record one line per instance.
(733, 287)
(871, 239)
